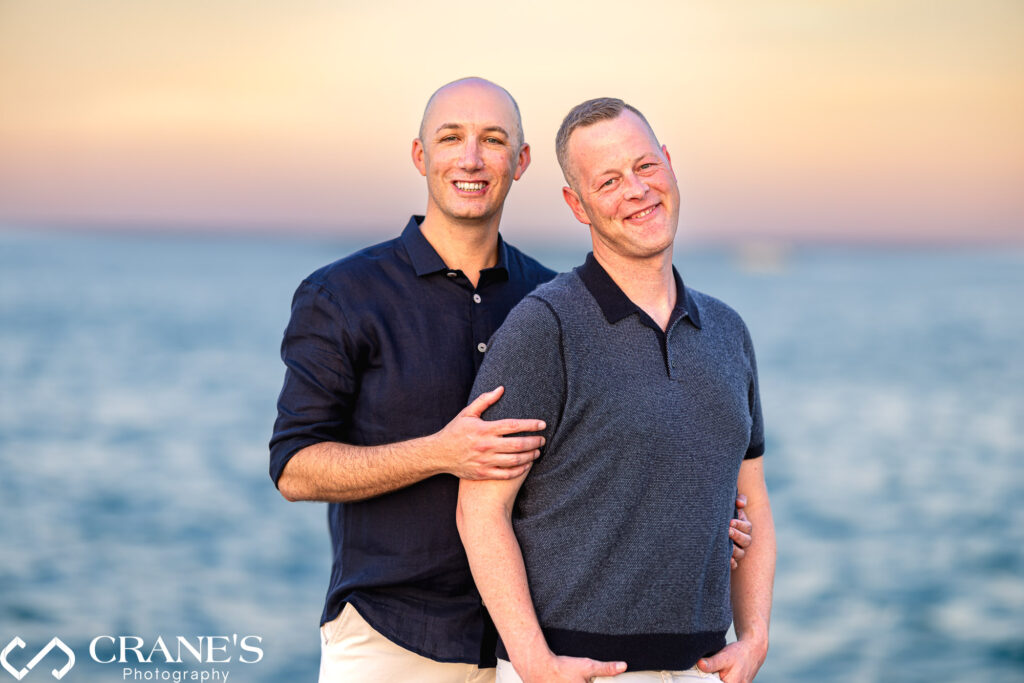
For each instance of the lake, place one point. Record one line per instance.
(138, 380)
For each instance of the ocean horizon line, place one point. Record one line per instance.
(365, 235)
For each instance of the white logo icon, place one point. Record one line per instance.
(20, 644)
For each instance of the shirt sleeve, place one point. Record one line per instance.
(320, 381)
(525, 356)
(756, 448)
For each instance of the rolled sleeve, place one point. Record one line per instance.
(320, 382)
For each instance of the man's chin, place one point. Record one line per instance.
(473, 214)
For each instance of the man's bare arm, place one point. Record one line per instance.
(468, 447)
(484, 516)
(752, 584)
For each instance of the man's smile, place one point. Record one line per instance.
(644, 213)
(470, 186)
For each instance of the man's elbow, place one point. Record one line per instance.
(290, 485)
(288, 489)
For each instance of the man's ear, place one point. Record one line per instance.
(664, 150)
(417, 156)
(573, 200)
(524, 161)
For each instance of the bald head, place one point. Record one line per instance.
(468, 89)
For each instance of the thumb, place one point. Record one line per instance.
(741, 501)
(482, 402)
(606, 668)
(711, 664)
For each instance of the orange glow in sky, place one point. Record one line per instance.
(898, 120)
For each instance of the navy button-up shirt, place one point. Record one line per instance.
(383, 346)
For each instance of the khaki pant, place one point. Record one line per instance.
(506, 674)
(351, 651)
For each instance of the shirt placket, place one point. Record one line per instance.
(479, 325)
(477, 316)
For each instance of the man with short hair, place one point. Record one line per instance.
(381, 351)
(604, 556)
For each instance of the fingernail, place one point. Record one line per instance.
(543, 441)
(541, 425)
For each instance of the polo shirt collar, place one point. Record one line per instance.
(616, 305)
(425, 259)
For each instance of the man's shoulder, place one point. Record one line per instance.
(541, 309)
(532, 269)
(714, 312)
(356, 264)
(358, 268)
(559, 291)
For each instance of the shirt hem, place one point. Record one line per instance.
(640, 651)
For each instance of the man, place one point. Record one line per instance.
(604, 555)
(381, 352)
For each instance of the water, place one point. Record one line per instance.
(138, 377)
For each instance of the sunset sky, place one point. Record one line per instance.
(879, 120)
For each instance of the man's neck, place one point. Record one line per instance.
(649, 282)
(463, 245)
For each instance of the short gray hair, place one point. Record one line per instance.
(587, 114)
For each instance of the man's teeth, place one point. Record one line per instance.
(469, 187)
(644, 212)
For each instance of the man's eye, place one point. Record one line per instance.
(494, 141)
(448, 138)
(608, 183)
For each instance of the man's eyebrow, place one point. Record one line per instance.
(497, 129)
(459, 126)
(634, 163)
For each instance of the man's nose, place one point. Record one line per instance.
(635, 187)
(470, 158)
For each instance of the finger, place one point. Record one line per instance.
(482, 402)
(716, 663)
(742, 523)
(741, 501)
(738, 553)
(733, 563)
(513, 426)
(504, 473)
(740, 527)
(596, 668)
(710, 665)
(740, 540)
(515, 459)
(518, 444)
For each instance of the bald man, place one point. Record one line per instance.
(381, 352)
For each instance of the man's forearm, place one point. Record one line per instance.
(496, 561)
(752, 581)
(468, 447)
(333, 472)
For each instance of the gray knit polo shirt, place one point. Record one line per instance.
(623, 519)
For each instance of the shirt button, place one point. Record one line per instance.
(481, 347)
(452, 273)
(476, 298)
